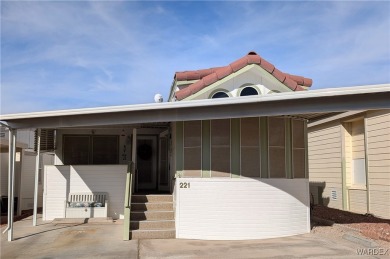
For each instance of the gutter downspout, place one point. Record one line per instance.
(37, 177)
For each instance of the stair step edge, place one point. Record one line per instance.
(153, 230)
(154, 202)
(162, 220)
(150, 211)
(149, 195)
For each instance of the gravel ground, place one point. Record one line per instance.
(368, 225)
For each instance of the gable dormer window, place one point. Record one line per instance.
(249, 90)
(219, 94)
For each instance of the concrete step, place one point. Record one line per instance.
(139, 198)
(152, 224)
(153, 234)
(152, 215)
(154, 206)
(72, 221)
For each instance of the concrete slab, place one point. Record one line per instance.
(303, 246)
(67, 241)
(105, 241)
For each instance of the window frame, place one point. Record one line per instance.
(220, 91)
(276, 147)
(242, 88)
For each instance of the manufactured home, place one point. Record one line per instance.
(225, 159)
(25, 161)
(349, 162)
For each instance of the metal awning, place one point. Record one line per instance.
(306, 104)
(309, 105)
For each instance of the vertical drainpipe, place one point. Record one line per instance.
(36, 178)
(344, 191)
(367, 163)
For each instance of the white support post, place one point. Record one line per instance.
(9, 179)
(134, 158)
(11, 182)
(37, 178)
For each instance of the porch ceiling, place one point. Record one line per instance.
(306, 104)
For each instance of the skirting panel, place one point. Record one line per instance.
(238, 209)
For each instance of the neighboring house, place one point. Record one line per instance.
(24, 170)
(349, 162)
(236, 167)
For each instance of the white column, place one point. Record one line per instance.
(134, 158)
(37, 178)
(11, 182)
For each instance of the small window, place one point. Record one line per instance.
(359, 172)
(247, 91)
(220, 95)
(87, 149)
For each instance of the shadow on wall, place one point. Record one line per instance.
(316, 193)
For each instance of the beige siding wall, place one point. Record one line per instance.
(358, 140)
(325, 164)
(364, 136)
(378, 152)
(355, 149)
(357, 200)
(347, 133)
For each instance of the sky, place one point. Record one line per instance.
(77, 54)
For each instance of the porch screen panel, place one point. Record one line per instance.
(164, 161)
(298, 146)
(76, 150)
(192, 148)
(277, 147)
(220, 148)
(90, 149)
(105, 150)
(250, 147)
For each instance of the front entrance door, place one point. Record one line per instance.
(147, 162)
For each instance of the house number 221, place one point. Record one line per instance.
(185, 185)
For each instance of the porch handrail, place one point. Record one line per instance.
(129, 190)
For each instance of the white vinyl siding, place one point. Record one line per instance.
(378, 152)
(62, 180)
(56, 188)
(237, 209)
(4, 173)
(325, 167)
(28, 179)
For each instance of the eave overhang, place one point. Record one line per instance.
(300, 104)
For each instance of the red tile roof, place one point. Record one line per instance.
(209, 76)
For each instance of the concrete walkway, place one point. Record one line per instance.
(104, 241)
